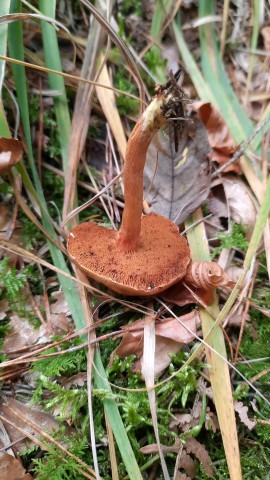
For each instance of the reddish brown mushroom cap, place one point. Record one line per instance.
(160, 260)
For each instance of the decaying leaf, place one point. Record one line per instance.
(176, 184)
(11, 151)
(153, 448)
(265, 31)
(219, 137)
(182, 420)
(11, 468)
(232, 199)
(46, 421)
(188, 464)
(242, 411)
(203, 278)
(171, 333)
(207, 275)
(3, 308)
(178, 294)
(200, 452)
(22, 334)
(77, 380)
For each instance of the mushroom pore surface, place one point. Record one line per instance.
(160, 260)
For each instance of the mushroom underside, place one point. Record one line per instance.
(160, 260)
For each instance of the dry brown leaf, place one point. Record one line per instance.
(60, 313)
(178, 294)
(182, 476)
(165, 347)
(22, 334)
(3, 308)
(206, 275)
(176, 184)
(242, 411)
(153, 448)
(220, 139)
(188, 464)
(265, 31)
(11, 151)
(181, 419)
(211, 421)
(238, 199)
(173, 329)
(200, 452)
(11, 468)
(170, 335)
(78, 380)
(46, 421)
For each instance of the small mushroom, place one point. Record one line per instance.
(147, 255)
(11, 151)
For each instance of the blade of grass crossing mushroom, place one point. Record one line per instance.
(218, 371)
(115, 420)
(4, 9)
(16, 48)
(148, 371)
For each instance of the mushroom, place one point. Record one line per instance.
(147, 255)
(11, 151)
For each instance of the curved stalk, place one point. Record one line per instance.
(149, 123)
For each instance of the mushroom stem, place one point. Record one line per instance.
(149, 123)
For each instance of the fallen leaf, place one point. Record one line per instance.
(22, 335)
(200, 452)
(182, 476)
(188, 464)
(219, 137)
(46, 421)
(238, 203)
(171, 333)
(178, 294)
(211, 421)
(176, 184)
(207, 275)
(242, 411)
(265, 31)
(3, 308)
(11, 151)
(11, 468)
(165, 347)
(180, 329)
(77, 380)
(153, 448)
(181, 420)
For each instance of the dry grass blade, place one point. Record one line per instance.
(218, 371)
(108, 104)
(148, 369)
(121, 45)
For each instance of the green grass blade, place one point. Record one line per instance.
(116, 423)
(201, 86)
(216, 77)
(16, 50)
(219, 371)
(4, 10)
(53, 61)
